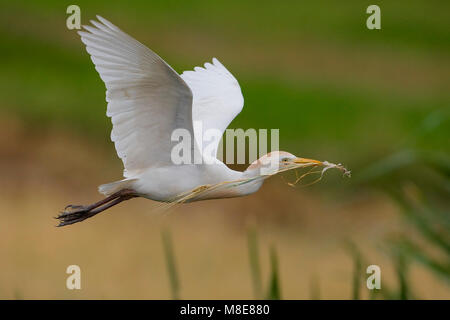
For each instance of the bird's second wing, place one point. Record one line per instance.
(147, 99)
(217, 100)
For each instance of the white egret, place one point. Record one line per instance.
(147, 101)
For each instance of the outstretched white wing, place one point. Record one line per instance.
(146, 98)
(217, 101)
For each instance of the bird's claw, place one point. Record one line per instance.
(71, 214)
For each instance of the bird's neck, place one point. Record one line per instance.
(250, 173)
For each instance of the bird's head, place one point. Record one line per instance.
(277, 161)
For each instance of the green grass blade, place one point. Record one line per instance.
(170, 263)
(417, 216)
(274, 292)
(401, 270)
(255, 270)
(441, 269)
(357, 268)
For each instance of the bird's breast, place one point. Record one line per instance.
(163, 183)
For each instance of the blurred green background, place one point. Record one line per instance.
(376, 100)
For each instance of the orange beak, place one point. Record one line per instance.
(307, 161)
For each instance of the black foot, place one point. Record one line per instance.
(73, 214)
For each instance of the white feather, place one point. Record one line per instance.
(217, 100)
(146, 98)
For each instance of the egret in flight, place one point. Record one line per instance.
(147, 101)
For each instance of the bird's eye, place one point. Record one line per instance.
(284, 159)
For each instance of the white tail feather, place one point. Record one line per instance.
(110, 188)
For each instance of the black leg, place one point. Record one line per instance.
(71, 208)
(79, 213)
